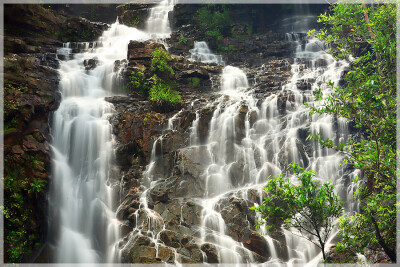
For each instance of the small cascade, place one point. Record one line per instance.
(158, 22)
(202, 53)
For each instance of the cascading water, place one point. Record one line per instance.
(83, 225)
(158, 23)
(202, 53)
(248, 141)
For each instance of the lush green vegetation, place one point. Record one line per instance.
(21, 188)
(216, 23)
(159, 87)
(214, 20)
(309, 206)
(367, 33)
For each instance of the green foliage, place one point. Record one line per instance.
(182, 39)
(214, 19)
(159, 62)
(369, 100)
(227, 48)
(138, 82)
(162, 95)
(194, 81)
(132, 23)
(20, 191)
(309, 206)
(373, 227)
(11, 94)
(159, 86)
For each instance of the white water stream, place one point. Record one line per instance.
(202, 53)
(241, 154)
(83, 193)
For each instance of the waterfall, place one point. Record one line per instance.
(83, 226)
(158, 21)
(248, 141)
(202, 53)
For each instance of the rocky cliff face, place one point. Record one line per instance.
(142, 134)
(173, 216)
(31, 93)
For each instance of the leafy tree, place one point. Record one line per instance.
(310, 207)
(366, 35)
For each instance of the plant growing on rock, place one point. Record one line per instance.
(21, 186)
(139, 82)
(310, 207)
(215, 21)
(159, 87)
(160, 61)
(163, 96)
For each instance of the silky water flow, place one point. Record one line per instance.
(83, 194)
(83, 191)
(261, 149)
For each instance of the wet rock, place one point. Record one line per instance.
(133, 15)
(236, 173)
(196, 255)
(179, 214)
(169, 238)
(303, 85)
(257, 244)
(143, 254)
(238, 217)
(281, 103)
(193, 160)
(166, 254)
(204, 123)
(90, 63)
(176, 186)
(142, 51)
(186, 119)
(304, 158)
(55, 28)
(252, 118)
(240, 120)
(144, 241)
(147, 220)
(162, 192)
(211, 252)
(17, 150)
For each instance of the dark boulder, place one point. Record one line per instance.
(211, 252)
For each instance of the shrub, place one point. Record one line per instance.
(139, 82)
(163, 96)
(309, 206)
(159, 63)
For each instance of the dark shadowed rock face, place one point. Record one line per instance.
(133, 15)
(32, 35)
(30, 26)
